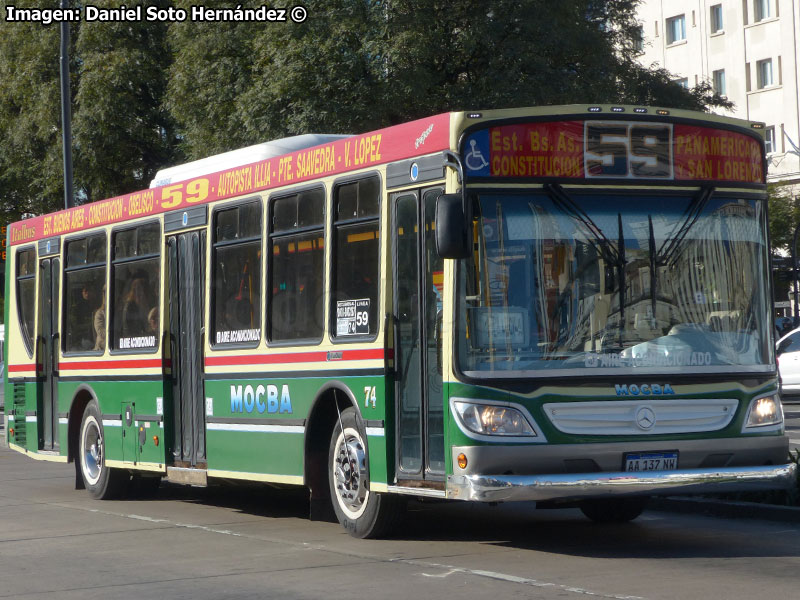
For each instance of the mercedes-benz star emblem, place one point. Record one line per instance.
(645, 418)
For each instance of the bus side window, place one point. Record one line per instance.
(236, 287)
(135, 288)
(356, 259)
(296, 266)
(26, 295)
(84, 285)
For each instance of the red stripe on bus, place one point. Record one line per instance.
(21, 368)
(112, 364)
(296, 357)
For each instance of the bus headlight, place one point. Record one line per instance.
(492, 419)
(765, 411)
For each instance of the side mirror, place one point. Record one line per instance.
(452, 231)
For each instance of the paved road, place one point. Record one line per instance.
(203, 544)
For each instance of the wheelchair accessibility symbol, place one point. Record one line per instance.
(475, 160)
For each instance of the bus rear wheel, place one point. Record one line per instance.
(102, 482)
(362, 512)
(613, 510)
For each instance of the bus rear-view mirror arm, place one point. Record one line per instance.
(452, 216)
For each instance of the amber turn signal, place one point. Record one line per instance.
(462, 460)
(155, 440)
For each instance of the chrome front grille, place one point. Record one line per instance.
(641, 417)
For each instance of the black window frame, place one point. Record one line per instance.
(27, 341)
(334, 253)
(111, 291)
(270, 236)
(65, 271)
(213, 273)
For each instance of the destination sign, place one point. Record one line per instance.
(614, 150)
(424, 136)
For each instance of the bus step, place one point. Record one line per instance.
(187, 476)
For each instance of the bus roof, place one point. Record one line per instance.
(241, 156)
(337, 156)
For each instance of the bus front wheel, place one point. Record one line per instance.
(613, 510)
(363, 513)
(101, 481)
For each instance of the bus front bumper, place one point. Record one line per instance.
(573, 486)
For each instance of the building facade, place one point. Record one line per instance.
(748, 51)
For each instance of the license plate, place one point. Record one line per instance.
(651, 461)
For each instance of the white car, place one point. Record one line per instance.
(788, 350)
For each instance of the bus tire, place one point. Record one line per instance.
(101, 482)
(363, 513)
(613, 510)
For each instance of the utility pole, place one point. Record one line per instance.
(66, 112)
(796, 309)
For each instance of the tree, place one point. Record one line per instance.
(30, 120)
(355, 65)
(123, 132)
(147, 95)
(784, 217)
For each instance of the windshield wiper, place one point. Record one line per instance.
(613, 256)
(691, 214)
(563, 201)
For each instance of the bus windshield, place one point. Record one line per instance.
(595, 283)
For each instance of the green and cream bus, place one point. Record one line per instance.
(568, 305)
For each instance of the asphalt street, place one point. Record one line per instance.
(216, 543)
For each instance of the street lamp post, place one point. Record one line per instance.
(796, 308)
(66, 113)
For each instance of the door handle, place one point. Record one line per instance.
(54, 352)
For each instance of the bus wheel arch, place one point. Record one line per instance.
(322, 418)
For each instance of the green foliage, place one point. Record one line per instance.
(354, 66)
(30, 152)
(122, 131)
(784, 216)
(148, 95)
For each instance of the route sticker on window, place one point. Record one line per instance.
(352, 317)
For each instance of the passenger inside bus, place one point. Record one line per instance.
(134, 321)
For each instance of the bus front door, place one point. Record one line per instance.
(417, 316)
(47, 355)
(186, 254)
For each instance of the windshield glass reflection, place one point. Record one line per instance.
(597, 283)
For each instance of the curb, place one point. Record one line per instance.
(727, 509)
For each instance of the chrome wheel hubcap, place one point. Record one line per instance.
(350, 472)
(92, 451)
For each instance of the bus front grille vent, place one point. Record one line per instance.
(641, 417)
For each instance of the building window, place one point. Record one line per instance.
(356, 263)
(719, 82)
(26, 295)
(684, 82)
(84, 295)
(135, 297)
(638, 39)
(296, 266)
(236, 288)
(716, 18)
(764, 73)
(676, 29)
(762, 9)
(769, 141)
